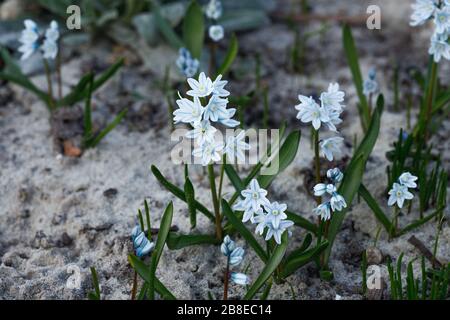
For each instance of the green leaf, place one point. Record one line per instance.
(80, 92)
(352, 59)
(296, 261)
(87, 136)
(179, 193)
(305, 245)
(271, 265)
(229, 58)
(194, 29)
(165, 28)
(301, 222)
(144, 272)
(244, 232)
(189, 193)
(96, 294)
(164, 228)
(378, 212)
(176, 241)
(94, 142)
(354, 173)
(12, 73)
(441, 102)
(286, 155)
(420, 222)
(234, 178)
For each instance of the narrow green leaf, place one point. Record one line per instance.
(242, 229)
(378, 212)
(352, 59)
(164, 228)
(305, 245)
(165, 28)
(88, 112)
(94, 142)
(144, 272)
(179, 193)
(301, 222)
(176, 241)
(11, 72)
(80, 91)
(96, 294)
(297, 261)
(194, 29)
(189, 193)
(270, 267)
(230, 56)
(419, 222)
(286, 155)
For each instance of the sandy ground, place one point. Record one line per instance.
(59, 213)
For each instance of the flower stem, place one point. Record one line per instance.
(430, 97)
(226, 278)
(212, 60)
(317, 161)
(58, 73)
(49, 84)
(222, 171)
(215, 202)
(134, 289)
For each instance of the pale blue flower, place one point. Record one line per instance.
(187, 65)
(337, 202)
(422, 11)
(323, 210)
(219, 87)
(398, 194)
(335, 175)
(321, 188)
(213, 9)
(189, 111)
(50, 45)
(370, 85)
(235, 147)
(331, 147)
(240, 278)
(442, 20)
(277, 231)
(275, 213)
(408, 180)
(141, 244)
(216, 33)
(228, 121)
(202, 87)
(209, 152)
(254, 196)
(203, 132)
(29, 39)
(236, 256)
(310, 111)
(439, 48)
(227, 246)
(333, 98)
(216, 109)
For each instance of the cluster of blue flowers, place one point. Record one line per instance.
(187, 64)
(141, 244)
(235, 255)
(336, 202)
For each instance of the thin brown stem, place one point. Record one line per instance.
(134, 289)
(225, 281)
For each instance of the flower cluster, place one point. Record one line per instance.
(200, 117)
(336, 201)
(260, 211)
(370, 86)
(234, 255)
(187, 65)
(327, 113)
(439, 12)
(31, 40)
(400, 192)
(141, 244)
